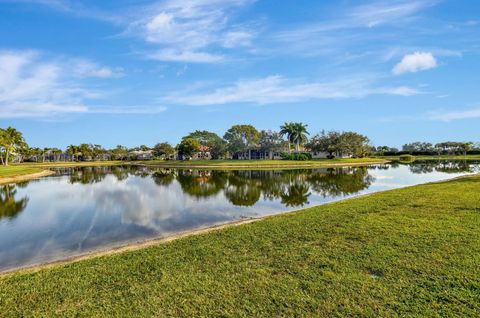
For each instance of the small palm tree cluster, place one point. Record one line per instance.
(296, 134)
(10, 140)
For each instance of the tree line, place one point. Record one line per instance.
(427, 148)
(291, 141)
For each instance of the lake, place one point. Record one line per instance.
(81, 210)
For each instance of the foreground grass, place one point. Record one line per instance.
(407, 252)
(16, 171)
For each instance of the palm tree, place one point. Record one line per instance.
(299, 135)
(287, 129)
(72, 150)
(296, 134)
(10, 140)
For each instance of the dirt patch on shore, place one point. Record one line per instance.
(25, 177)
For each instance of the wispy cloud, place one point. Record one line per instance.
(415, 62)
(188, 31)
(350, 27)
(278, 89)
(381, 12)
(33, 85)
(457, 115)
(86, 68)
(172, 55)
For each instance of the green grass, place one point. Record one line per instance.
(212, 163)
(73, 164)
(15, 171)
(262, 163)
(408, 252)
(443, 157)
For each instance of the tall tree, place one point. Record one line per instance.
(213, 142)
(241, 138)
(120, 152)
(163, 149)
(287, 130)
(10, 140)
(188, 147)
(72, 150)
(344, 143)
(271, 141)
(296, 133)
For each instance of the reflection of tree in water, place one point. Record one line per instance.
(445, 166)
(420, 168)
(243, 187)
(296, 195)
(340, 181)
(202, 183)
(9, 206)
(89, 175)
(379, 167)
(291, 187)
(163, 177)
(454, 167)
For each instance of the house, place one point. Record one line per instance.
(255, 154)
(324, 155)
(141, 154)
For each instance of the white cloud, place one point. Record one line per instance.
(277, 89)
(404, 91)
(30, 88)
(418, 61)
(237, 38)
(186, 31)
(172, 55)
(35, 86)
(449, 116)
(85, 68)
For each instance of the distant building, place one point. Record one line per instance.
(141, 154)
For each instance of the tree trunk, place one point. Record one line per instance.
(7, 153)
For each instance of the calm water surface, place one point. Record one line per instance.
(80, 210)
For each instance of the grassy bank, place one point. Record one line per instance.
(409, 252)
(214, 163)
(15, 171)
(60, 164)
(263, 163)
(460, 157)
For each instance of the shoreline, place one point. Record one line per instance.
(140, 244)
(213, 165)
(25, 177)
(267, 166)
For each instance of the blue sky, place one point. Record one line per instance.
(140, 72)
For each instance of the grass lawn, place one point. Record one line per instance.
(263, 163)
(72, 164)
(212, 163)
(15, 171)
(406, 252)
(459, 157)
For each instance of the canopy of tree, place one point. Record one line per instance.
(340, 143)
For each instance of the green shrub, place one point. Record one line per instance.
(407, 158)
(296, 156)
